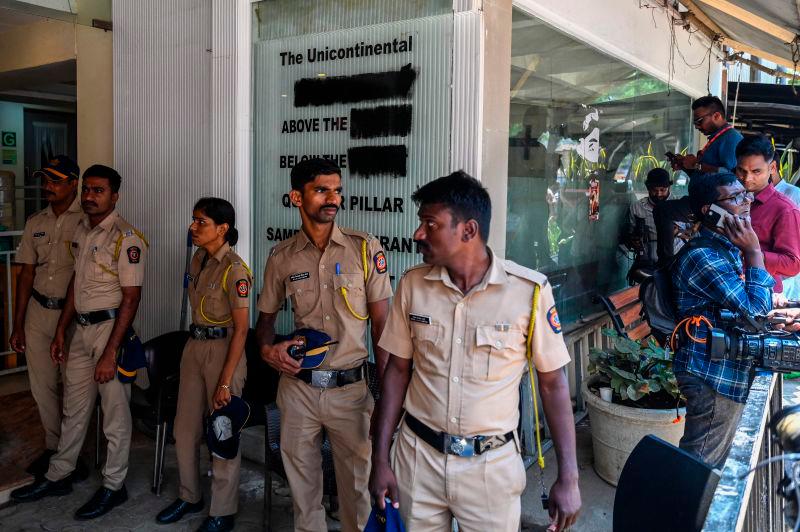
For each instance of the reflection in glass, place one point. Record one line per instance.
(584, 131)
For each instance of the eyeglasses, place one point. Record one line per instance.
(739, 197)
(699, 120)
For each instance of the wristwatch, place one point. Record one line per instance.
(225, 386)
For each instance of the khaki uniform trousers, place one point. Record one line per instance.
(344, 413)
(40, 326)
(80, 393)
(481, 492)
(201, 365)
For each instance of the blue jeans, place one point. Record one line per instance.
(711, 420)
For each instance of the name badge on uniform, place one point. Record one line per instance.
(419, 318)
(38, 234)
(299, 276)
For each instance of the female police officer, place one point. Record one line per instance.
(213, 366)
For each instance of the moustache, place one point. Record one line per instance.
(421, 244)
(330, 206)
(88, 204)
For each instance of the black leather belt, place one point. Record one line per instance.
(331, 378)
(52, 303)
(96, 316)
(201, 332)
(456, 445)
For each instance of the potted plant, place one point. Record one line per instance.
(645, 399)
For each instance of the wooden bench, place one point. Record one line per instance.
(625, 310)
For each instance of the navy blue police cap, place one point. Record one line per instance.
(59, 168)
(131, 357)
(385, 520)
(315, 348)
(224, 428)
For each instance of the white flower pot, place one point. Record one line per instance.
(616, 429)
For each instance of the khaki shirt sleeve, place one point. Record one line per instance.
(239, 282)
(273, 294)
(549, 350)
(379, 286)
(132, 257)
(26, 253)
(396, 337)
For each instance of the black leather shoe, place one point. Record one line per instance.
(178, 509)
(42, 488)
(221, 523)
(39, 467)
(101, 503)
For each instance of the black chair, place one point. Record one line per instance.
(163, 355)
(663, 488)
(273, 462)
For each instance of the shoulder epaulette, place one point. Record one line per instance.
(236, 260)
(525, 273)
(416, 267)
(280, 245)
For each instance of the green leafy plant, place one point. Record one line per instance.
(635, 371)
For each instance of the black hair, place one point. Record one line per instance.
(710, 102)
(756, 145)
(222, 212)
(704, 190)
(106, 172)
(308, 170)
(464, 195)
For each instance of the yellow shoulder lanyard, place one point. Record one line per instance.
(118, 249)
(224, 289)
(343, 289)
(529, 354)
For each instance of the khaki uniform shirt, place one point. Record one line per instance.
(47, 243)
(217, 285)
(108, 257)
(469, 350)
(298, 269)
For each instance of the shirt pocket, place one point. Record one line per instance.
(303, 295)
(496, 354)
(102, 267)
(427, 338)
(353, 283)
(42, 246)
(214, 305)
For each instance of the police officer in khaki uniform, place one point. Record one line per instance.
(102, 297)
(212, 366)
(337, 279)
(462, 319)
(47, 264)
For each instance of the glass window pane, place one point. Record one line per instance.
(585, 129)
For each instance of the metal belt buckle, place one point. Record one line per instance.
(460, 446)
(51, 303)
(83, 319)
(322, 378)
(198, 333)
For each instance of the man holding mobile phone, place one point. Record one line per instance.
(723, 270)
(718, 155)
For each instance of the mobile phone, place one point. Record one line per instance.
(716, 215)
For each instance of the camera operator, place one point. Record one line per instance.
(707, 279)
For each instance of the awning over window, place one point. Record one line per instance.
(764, 28)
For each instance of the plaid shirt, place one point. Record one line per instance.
(705, 282)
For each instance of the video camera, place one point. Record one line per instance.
(752, 340)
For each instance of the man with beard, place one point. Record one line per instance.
(337, 280)
(641, 236)
(723, 268)
(102, 297)
(466, 320)
(47, 264)
(718, 155)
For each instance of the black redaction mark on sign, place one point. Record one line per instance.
(369, 161)
(383, 121)
(352, 89)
